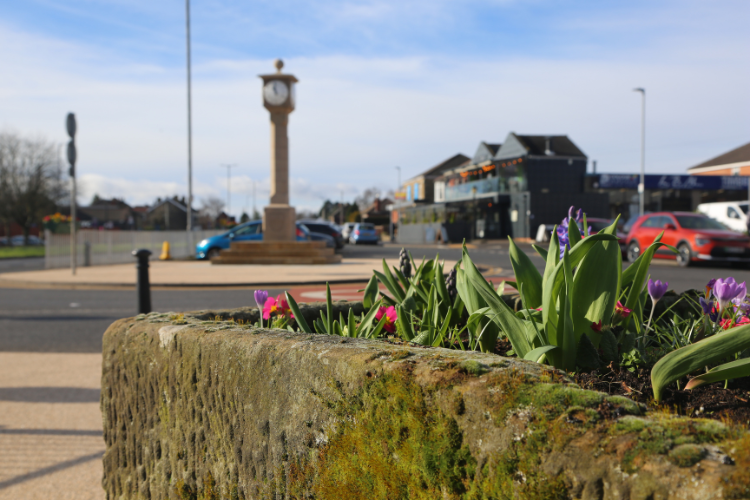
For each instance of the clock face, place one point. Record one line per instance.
(275, 92)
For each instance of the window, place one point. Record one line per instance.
(732, 213)
(416, 191)
(651, 222)
(248, 230)
(408, 193)
(698, 222)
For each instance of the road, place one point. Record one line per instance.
(33, 320)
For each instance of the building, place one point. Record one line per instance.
(421, 187)
(109, 214)
(169, 215)
(734, 162)
(506, 189)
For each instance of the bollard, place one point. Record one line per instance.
(165, 255)
(143, 287)
(86, 253)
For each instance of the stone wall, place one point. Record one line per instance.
(196, 408)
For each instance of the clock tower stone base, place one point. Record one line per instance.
(279, 223)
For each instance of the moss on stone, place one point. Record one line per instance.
(686, 455)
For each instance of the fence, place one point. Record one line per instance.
(96, 248)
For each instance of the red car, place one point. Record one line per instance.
(696, 237)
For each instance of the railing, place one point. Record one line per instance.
(483, 186)
(96, 248)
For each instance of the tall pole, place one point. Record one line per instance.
(71, 126)
(229, 167)
(642, 185)
(399, 177)
(190, 134)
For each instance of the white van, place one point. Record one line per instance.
(732, 214)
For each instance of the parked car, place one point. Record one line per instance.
(325, 227)
(363, 232)
(249, 231)
(17, 241)
(346, 230)
(732, 214)
(330, 242)
(695, 236)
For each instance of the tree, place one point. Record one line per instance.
(244, 218)
(31, 184)
(367, 198)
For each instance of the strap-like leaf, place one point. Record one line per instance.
(297, 314)
(537, 353)
(690, 358)
(639, 278)
(329, 309)
(727, 371)
(541, 251)
(371, 292)
(526, 275)
(503, 316)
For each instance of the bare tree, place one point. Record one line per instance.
(30, 180)
(367, 198)
(210, 210)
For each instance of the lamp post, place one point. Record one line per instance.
(642, 184)
(398, 188)
(474, 213)
(189, 226)
(229, 167)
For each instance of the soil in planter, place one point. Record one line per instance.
(708, 401)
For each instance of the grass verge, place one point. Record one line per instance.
(16, 252)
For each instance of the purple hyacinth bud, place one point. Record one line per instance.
(579, 215)
(260, 298)
(708, 308)
(725, 290)
(657, 289)
(571, 211)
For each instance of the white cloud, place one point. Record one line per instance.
(359, 117)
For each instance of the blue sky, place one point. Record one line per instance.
(382, 83)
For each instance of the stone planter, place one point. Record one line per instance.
(197, 408)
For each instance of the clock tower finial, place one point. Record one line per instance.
(278, 63)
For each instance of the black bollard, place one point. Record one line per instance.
(144, 288)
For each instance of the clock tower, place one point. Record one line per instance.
(278, 99)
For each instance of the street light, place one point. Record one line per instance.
(642, 184)
(189, 226)
(398, 188)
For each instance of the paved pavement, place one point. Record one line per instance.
(50, 362)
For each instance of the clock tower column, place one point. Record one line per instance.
(278, 99)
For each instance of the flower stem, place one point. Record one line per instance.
(650, 316)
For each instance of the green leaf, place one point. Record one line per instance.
(337, 329)
(569, 342)
(439, 281)
(503, 316)
(526, 275)
(727, 371)
(608, 345)
(367, 321)
(595, 288)
(329, 309)
(627, 341)
(587, 357)
(537, 353)
(574, 234)
(541, 251)
(371, 292)
(690, 358)
(352, 323)
(554, 278)
(404, 322)
(297, 314)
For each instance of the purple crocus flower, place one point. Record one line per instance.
(260, 298)
(727, 289)
(708, 308)
(657, 289)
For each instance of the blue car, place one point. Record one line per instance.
(249, 231)
(363, 233)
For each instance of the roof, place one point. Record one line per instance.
(169, 200)
(736, 155)
(452, 162)
(559, 144)
(485, 152)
